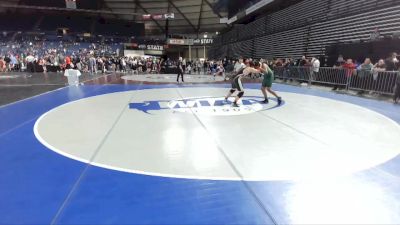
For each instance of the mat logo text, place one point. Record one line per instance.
(206, 105)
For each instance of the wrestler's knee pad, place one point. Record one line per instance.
(232, 91)
(241, 94)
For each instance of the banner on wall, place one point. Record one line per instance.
(134, 53)
(200, 41)
(135, 46)
(203, 41)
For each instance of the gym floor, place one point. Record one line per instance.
(141, 149)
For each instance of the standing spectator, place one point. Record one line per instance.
(367, 66)
(339, 63)
(303, 71)
(123, 65)
(375, 35)
(14, 62)
(378, 68)
(303, 61)
(315, 65)
(392, 63)
(364, 72)
(205, 66)
(7, 60)
(238, 65)
(198, 66)
(2, 64)
(349, 68)
(68, 63)
(30, 63)
(396, 95)
(92, 65)
(220, 70)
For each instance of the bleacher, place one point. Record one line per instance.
(289, 43)
(355, 28)
(297, 15)
(253, 29)
(51, 3)
(309, 26)
(346, 7)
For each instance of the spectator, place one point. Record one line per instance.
(30, 63)
(238, 65)
(339, 63)
(303, 61)
(349, 68)
(198, 64)
(220, 70)
(13, 62)
(396, 95)
(366, 66)
(378, 67)
(7, 60)
(92, 64)
(315, 65)
(375, 35)
(68, 64)
(392, 63)
(2, 65)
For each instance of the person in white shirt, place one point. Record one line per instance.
(220, 70)
(123, 65)
(315, 65)
(198, 64)
(184, 65)
(73, 76)
(238, 65)
(29, 61)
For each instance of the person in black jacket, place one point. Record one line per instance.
(7, 59)
(180, 70)
(396, 96)
(392, 63)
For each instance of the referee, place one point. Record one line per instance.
(180, 70)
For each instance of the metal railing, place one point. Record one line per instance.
(381, 82)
